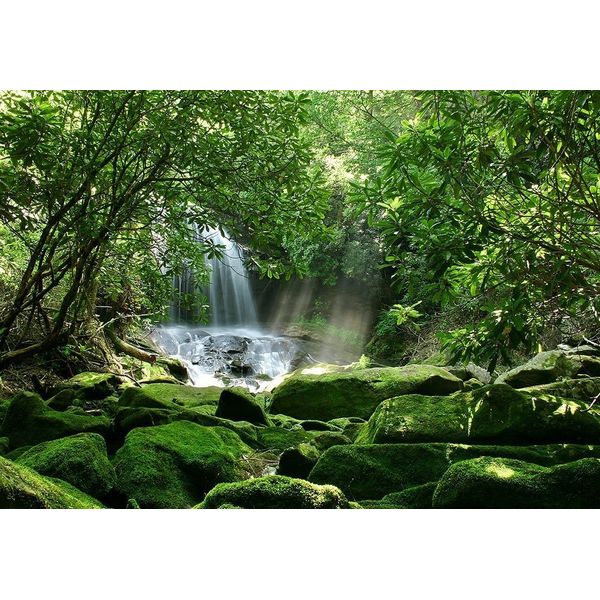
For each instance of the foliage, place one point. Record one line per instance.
(496, 193)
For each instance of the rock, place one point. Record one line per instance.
(492, 414)
(278, 438)
(420, 496)
(90, 386)
(584, 388)
(547, 367)
(371, 472)
(174, 366)
(22, 487)
(356, 393)
(29, 421)
(173, 466)
(327, 439)
(503, 483)
(298, 461)
(275, 491)
(314, 425)
(168, 395)
(79, 459)
(237, 404)
(63, 399)
(577, 350)
(470, 371)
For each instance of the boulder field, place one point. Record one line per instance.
(416, 436)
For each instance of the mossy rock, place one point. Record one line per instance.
(356, 393)
(315, 425)
(4, 445)
(371, 472)
(496, 414)
(168, 395)
(79, 459)
(583, 388)
(22, 487)
(549, 366)
(420, 496)
(504, 483)
(174, 366)
(279, 438)
(298, 461)
(128, 418)
(29, 421)
(275, 491)
(173, 466)
(237, 404)
(89, 385)
(327, 439)
(63, 399)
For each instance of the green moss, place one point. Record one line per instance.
(491, 414)
(173, 466)
(356, 393)
(275, 491)
(88, 385)
(298, 461)
(544, 367)
(29, 421)
(419, 496)
(326, 439)
(371, 472)
(278, 438)
(237, 404)
(168, 395)
(78, 459)
(22, 487)
(503, 483)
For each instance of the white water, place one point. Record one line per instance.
(233, 349)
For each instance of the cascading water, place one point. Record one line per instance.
(232, 349)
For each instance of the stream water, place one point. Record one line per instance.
(233, 349)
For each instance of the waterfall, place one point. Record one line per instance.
(230, 296)
(232, 349)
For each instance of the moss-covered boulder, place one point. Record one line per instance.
(79, 459)
(279, 438)
(326, 439)
(371, 472)
(237, 404)
(583, 388)
(275, 491)
(173, 466)
(496, 414)
(298, 461)
(29, 421)
(168, 395)
(357, 393)
(420, 496)
(503, 483)
(549, 366)
(89, 385)
(22, 487)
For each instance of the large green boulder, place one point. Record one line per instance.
(237, 404)
(496, 414)
(173, 466)
(22, 487)
(29, 421)
(89, 385)
(274, 491)
(583, 388)
(79, 459)
(357, 393)
(549, 366)
(503, 483)
(168, 395)
(371, 472)
(298, 461)
(419, 496)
